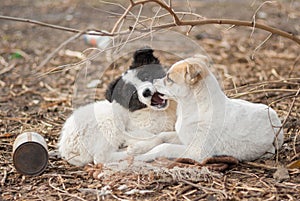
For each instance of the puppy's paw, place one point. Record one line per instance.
(139, 148)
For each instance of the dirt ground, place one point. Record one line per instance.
(32, 99)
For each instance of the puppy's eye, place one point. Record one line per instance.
(169, 79)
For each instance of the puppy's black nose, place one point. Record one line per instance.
(147, 93)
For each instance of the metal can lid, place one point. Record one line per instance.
(30, 158)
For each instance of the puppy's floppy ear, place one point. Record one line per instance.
(110, 89)
(193, 73)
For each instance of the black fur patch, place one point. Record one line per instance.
(109, 91)
(143, 56)
(125, 94)
(147, 67)
(150, 72)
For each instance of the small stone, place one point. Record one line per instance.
(93, 84)
(262, 15)
(211, 198)
(281, 174)
(122, 187)
(69, 17)
(36, 101)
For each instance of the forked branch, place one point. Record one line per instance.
(116, 30)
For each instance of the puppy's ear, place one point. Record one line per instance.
(143, 56)
(193, 73)
(110, 89)
(205, 59)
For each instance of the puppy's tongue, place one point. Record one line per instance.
(156, 99)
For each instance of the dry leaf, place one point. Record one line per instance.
(294, 164)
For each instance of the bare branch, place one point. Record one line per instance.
(122, 18)
(254, 15)
(133, 27)
(177, 22)
(100, 33)
(230, 22)
(261, 44)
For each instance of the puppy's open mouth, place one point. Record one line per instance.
(158, 101)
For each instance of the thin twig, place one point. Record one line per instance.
(204, 188)
(229, 22)
(288, 114)
(4, 177)
(69, 66)
(45, 61)
(120, 6)
(177, 22)
(63, 191)
(254, 15)
(259, 165)
(262, 91)
(261, 44)
(121, 18)
(100, 33)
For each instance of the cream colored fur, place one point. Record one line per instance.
(209, 123)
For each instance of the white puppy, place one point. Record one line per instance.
(100, 131)
(211, 124)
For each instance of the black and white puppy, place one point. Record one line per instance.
(133, 111)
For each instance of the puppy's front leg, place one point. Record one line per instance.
(166, 150)
(144, 146)
(169, 137)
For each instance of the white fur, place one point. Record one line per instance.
(209, 123)
(97, 132)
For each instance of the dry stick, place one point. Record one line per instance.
(133, 27)
(120, 6)
(163, 26)
(260, 45)
(157, 17)
(122, 18)
(133, 4)
(262, 91)
(4, 177)
(167, 8)
(287, 81)
(178, 22)
(295, 63)
(288, 114)
(153, 20)
(229, 22)
(63, 191)
(61, 67)
(284, 122)
(204, 188)
(51, 25)
(254, 16)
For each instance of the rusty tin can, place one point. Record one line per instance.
(30, 153)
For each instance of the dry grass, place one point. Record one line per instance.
(41, 104)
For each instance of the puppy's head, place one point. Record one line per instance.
(134, 90)
(183, 76)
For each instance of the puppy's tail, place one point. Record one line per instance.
(143, 56)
